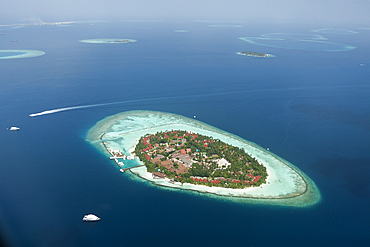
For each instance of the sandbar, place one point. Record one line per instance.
(254, 54)
(286, 184)
(225, 26)
(13, 54)
(107, 41)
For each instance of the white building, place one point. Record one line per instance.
(223, 162)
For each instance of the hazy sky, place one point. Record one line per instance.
(318, 11)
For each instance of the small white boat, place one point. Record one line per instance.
(14, 128)
(90, 217)
(121, 170)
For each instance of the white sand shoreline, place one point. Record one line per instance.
(143, 173)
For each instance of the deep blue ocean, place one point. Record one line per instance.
(311, 107)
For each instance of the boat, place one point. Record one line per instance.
(121, 170)
(14, 128)
(90, 217)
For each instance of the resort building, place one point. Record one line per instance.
(223, 163)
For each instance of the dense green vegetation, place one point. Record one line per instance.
(242, 169)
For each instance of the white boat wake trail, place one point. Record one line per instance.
(96, 105)
(65, 109)
(88, 106)
(192, 96)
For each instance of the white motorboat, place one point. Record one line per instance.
(90, 217)
(14, 128)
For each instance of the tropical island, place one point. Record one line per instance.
(174, 152)
(254, 54)
(197, 159)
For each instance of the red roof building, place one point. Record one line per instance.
(159, 174)
(256, 179)
(145, 140)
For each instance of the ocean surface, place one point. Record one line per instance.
(309, 105)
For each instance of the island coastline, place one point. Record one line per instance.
(299, 192)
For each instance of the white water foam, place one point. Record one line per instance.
(62, 109)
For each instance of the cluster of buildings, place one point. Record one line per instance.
(179, 160)
(174, 158)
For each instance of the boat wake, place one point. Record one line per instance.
(192, 96)
(102, 104)
(66, 109)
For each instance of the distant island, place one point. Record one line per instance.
(40, 23)
(193, 158)
(254, 54)
(173, 152)
(120, 41)
(107, 41)
(14, 54)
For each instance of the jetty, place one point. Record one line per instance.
(116, 155)
(129, 168)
